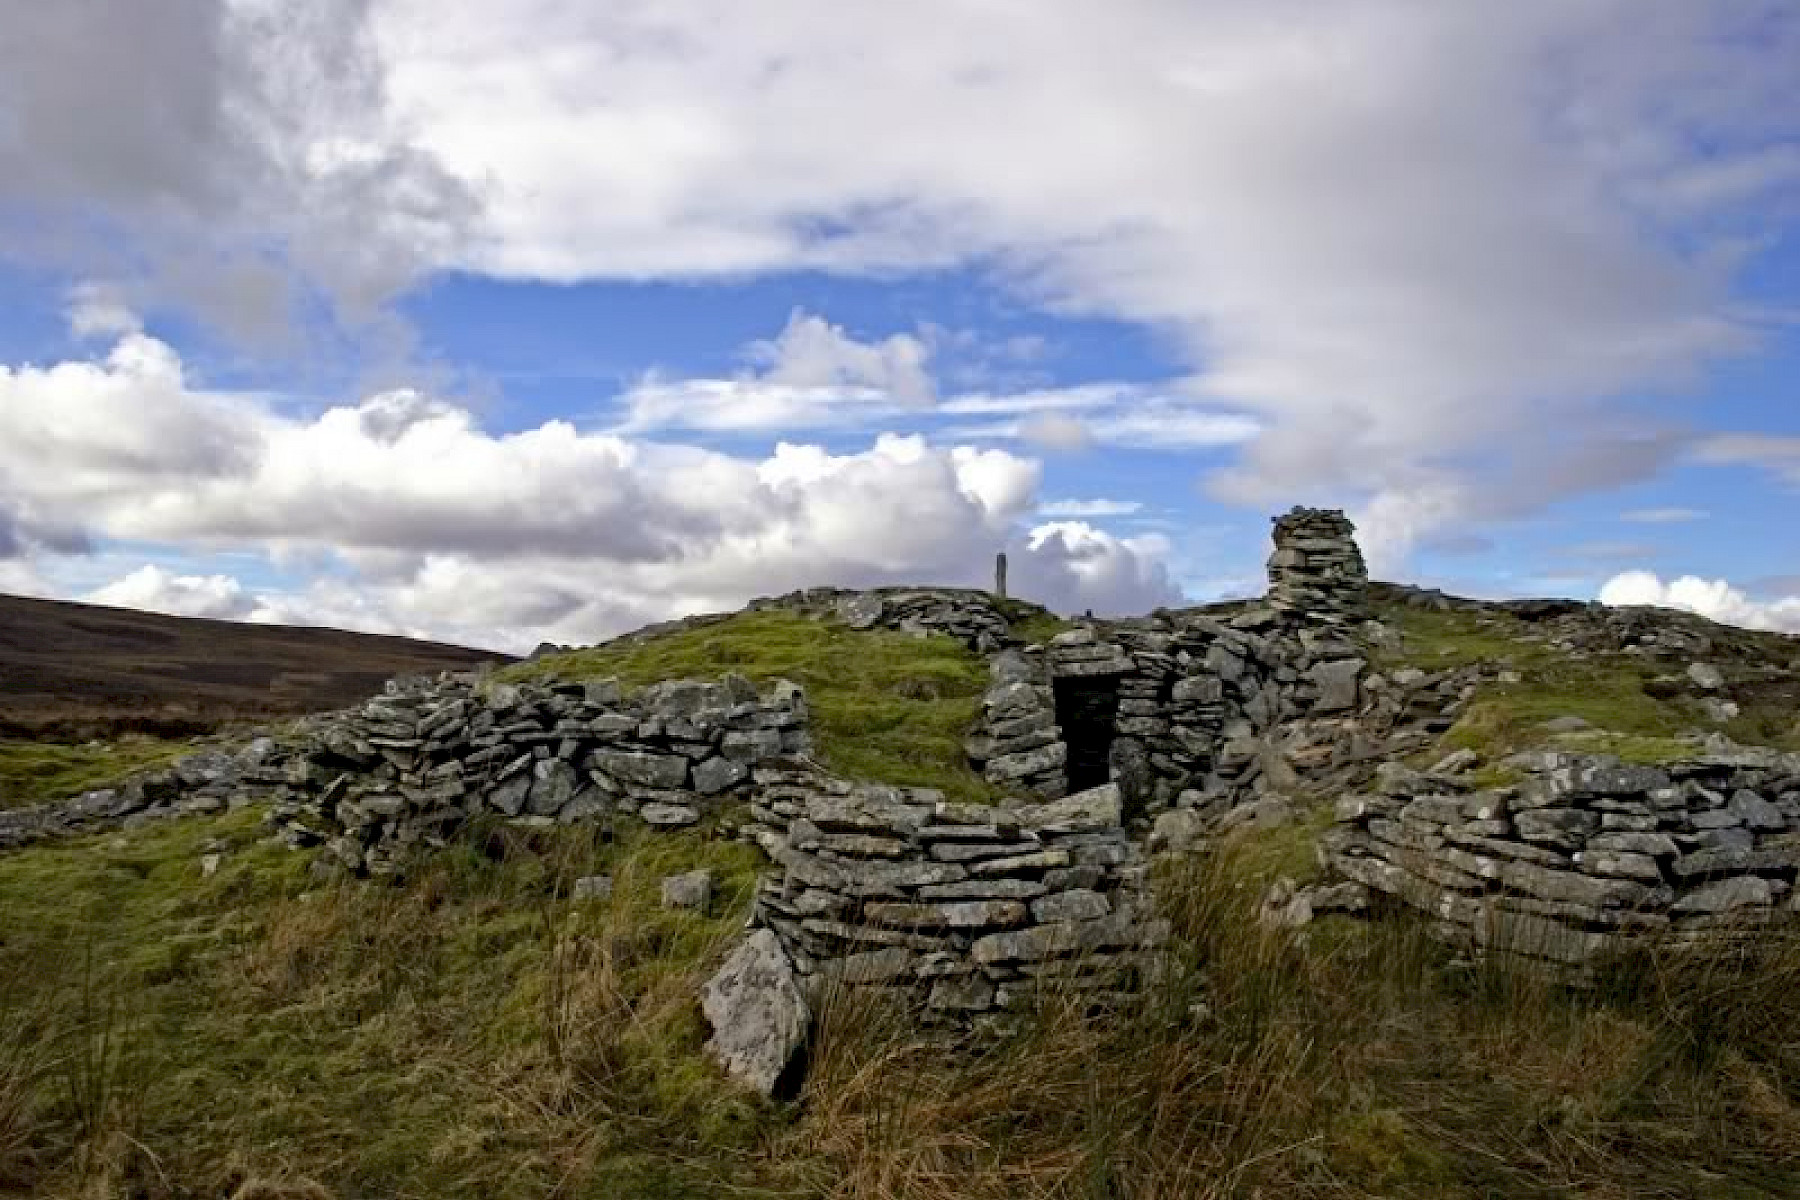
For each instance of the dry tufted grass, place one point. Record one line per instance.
(1360, 1061)
(475, 1033)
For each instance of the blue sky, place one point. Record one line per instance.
(387, 318)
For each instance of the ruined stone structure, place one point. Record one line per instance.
(1317, 571)
(970, 909)
(1583, 851)
(411, 766)
(1172, 706)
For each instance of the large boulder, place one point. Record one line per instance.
(757, 1012)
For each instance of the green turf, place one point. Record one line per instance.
(35, 772)
(886, 706)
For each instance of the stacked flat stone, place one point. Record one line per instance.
(968, 616)
(1317, 571)
(209, 781)
(1585, 853)
(1018, 745)
(409, 767)
(969, 908)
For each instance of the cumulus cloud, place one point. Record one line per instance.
(437, 527)
(1713, 598)
(158, 590)
(236, 157)
(1406, 238)
(811, 375)
(1075, 567)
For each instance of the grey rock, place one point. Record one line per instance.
(691, 891)
(669, 815)
(1707, 676)
(649, 770)
(1031, 762)
(1337, 684)
(1756, 812)
(714, 775)
(592, 887)
(1070, 906)
(962, 914)
(757, 1012)
(1728, 895)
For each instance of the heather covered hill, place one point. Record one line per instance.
(73, 669)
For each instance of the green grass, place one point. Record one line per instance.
(1606, 690)
(885, 706)
(259, 1033)
(35, 772)
(469, 1034)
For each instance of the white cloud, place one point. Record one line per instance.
(1663, 516)
(98, 310)
(1713, 598)
(411, 518)
(1778, 455)
(1076, 568)
(812, 375)
(1046, 430)
(1090, 508)
(1396, 235)
(153, 588)
(1415, 246)
(813, 353)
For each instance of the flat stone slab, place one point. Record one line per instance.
(757, 1011)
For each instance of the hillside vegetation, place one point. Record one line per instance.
(885, 705)
(260, 1031)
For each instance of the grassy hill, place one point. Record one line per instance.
(262, 1032)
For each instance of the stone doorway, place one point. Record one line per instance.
(1087, 708)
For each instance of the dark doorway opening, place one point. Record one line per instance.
(1087, 708)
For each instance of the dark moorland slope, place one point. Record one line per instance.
(73, 670)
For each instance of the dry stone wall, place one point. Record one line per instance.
(1584, 852)
(411, 766)
(1182, 703)
(969, 909)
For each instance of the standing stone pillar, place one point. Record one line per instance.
(1000, 575)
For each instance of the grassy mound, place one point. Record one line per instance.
(1616, 693)
(33, 772)
(885, 706)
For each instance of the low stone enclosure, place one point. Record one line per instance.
(1110, 741)
(1583, 851)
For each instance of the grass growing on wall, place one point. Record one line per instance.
(885, 706)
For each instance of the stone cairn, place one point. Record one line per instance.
(411, 766)
(1584, 852)
(1317, 571)
(969, 909)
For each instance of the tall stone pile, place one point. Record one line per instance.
(410, 766)
(1018, 744)
(1584, 853)
(970, 909)
(1317, 571)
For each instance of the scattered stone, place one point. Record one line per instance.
(691, 891)
(592, 887)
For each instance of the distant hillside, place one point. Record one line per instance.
(81, 670)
